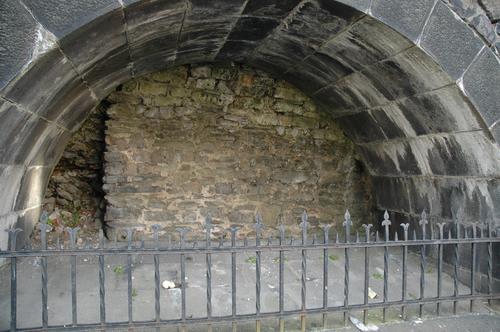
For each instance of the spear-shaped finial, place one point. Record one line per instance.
(441, 229)
(208, 229)
(44, 228)
(367, 231)
(182, 233)
(304, 225)
(258, 227)
(326, 230)
(13, 232)
(130, 236)
(405, 230)
(347, 224)
(423, 221)
(73, 233)
(386, 223)
(156, 230)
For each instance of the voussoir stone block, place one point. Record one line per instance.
(481, 83)
(22, 39)
(407, 17)
(451, 42)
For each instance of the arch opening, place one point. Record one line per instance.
(423, 124)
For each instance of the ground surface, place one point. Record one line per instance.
(29, 290)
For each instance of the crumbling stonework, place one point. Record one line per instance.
(226, 141)
(74, 195)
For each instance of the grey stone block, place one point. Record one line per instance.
(391, 159)
(10, 180)
(452, 43)
(32, 187)
(364, 43)
(203, 10)
(105, 75)
(442, 110)
(12, 121)
(318, 21)
(361, 127)
(253, 28)
(49, 146)
(153, 27)
(84, 50)
(407, 17)
(154, 62)
(481, 84)
(406, 74)
(467, 153)
(264, 8)
(391, 193)
(46, 80)
(235, 50)
(64, 17)
(19, 34)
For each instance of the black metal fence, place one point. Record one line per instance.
(437, 237)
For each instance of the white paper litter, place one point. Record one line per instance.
(167, 284)
(371, 293)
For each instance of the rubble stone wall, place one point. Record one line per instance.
(226, 141)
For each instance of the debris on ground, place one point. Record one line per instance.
(361, 326)
(167, 284)
(371, 293)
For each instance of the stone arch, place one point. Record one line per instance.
(411, 83)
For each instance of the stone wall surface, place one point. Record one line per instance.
(226, 141)
(74, 194)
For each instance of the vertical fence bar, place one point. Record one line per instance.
(386, 223)
(367, 271)
(326, 229)
(208, 260)
(347, 225)
(130, 291)
(72, 238)
(233, 230)
(473, 266)
(281, 278)
(404, 270)
(182, 232)
(423, 221)
(303, 279)
(258, 228)
(102, 288)
(44, 228)
(440, 268)
(490, 263)
(455, 268)
(13, 277)
(156, 261)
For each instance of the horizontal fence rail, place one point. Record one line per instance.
(426, 237)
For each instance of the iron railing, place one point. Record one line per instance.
(441, 235)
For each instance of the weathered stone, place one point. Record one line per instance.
(221, 145)
(451, 42)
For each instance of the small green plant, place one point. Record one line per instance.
(429, 270)
(118, 269)
(277, 259)
(251, 260)
(134, 293)
(333, 257)
(378, 276)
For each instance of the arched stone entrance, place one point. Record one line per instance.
(411, 83)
